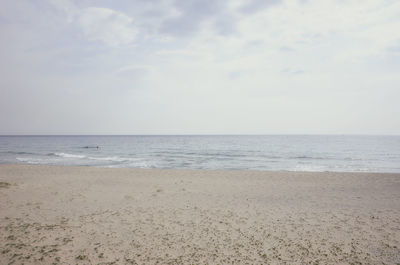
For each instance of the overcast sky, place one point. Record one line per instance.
(200, 67)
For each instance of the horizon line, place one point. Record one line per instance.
(274, 134)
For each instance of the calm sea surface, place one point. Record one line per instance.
(280, 152)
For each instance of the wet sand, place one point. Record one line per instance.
(88, 215)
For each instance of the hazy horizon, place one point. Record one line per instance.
(200, 67)
(282, 134)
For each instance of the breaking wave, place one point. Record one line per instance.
(68, 155)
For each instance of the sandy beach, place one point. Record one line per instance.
(89, 215)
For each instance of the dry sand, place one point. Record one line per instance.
(88, 215)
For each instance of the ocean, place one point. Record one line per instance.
(338, 153)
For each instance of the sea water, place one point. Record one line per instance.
(348, 153)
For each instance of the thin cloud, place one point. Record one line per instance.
(291, 71)
(286, 49)
(394, 48)
(132, 71)
(254, 6)
(108, 26)
(194, 13)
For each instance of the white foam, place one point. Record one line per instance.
(310, 168)
(28, 160)
(114, 158)
(32, 160)
(69, 155)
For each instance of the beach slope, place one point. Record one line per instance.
(89, 215)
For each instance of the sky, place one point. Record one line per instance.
(200, 67)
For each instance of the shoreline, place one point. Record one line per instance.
(206, 170)
(95, 215)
